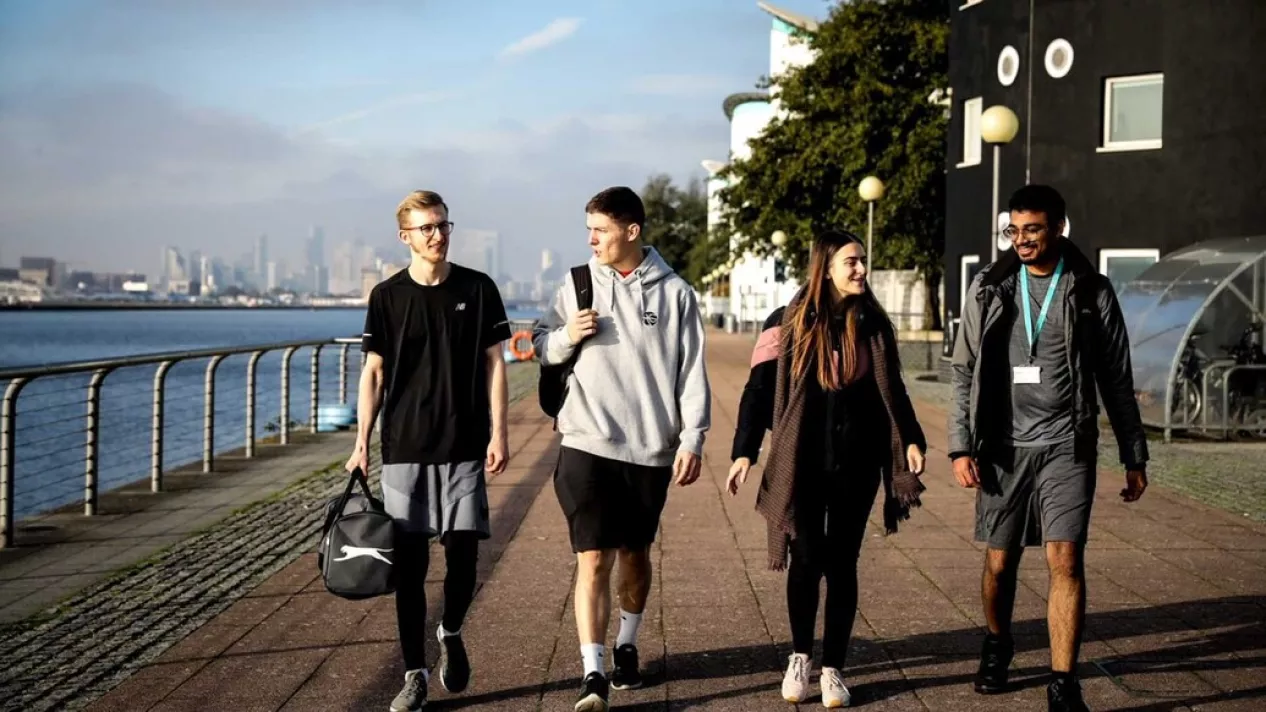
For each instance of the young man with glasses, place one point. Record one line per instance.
(432, 342)
(1041, 329)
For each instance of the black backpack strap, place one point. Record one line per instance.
(582, 280)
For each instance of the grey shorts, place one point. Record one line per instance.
(437, 499)
(1032, 495)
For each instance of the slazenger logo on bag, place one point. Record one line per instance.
(353, 552)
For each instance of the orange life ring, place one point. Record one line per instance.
(522, 354)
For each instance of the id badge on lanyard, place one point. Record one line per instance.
(1031, 374)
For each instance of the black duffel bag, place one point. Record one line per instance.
(357, 550)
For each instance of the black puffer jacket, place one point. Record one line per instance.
(1098, 353)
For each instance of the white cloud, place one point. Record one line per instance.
(392, 103)
(682, 84)
(132, 169)
(553, 33)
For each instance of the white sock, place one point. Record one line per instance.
(591, 654)
(629, 623)
(426, 674)
(445, 633)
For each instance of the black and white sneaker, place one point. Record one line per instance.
(625, 675)
(412, 696)
(594, 692)
(454, 665)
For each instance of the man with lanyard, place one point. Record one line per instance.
(1023, 425)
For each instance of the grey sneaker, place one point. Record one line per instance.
(413, 696)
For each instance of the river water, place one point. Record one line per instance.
(50, 435)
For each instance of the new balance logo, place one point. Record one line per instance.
(354, 552)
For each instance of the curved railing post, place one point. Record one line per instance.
(251, 372)
(156, 427)
(92, 440)
(285, 393)
(8, 442)
(314, 398)
(342, 373)
(208, 415)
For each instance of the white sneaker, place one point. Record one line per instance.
(834, 693)
(795, 683)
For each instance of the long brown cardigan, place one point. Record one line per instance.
(775, 500)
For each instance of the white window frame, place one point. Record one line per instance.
(1109, 253)
(973, 106)
(1108, 145)
(963, 282)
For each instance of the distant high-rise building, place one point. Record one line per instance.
(320, 280)
(369, 278)
(270, 277)
(261, 257)
(481, 250)
(175, 271)
(316, 247)
(547, 259)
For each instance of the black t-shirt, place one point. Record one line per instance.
(432, 340)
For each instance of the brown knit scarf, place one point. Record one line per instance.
(775, 500)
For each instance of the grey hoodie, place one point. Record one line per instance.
(639, 391)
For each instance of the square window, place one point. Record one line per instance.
(971, 132)
(1132, 110)
(1122, 265)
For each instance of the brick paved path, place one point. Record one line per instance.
(1175, 620)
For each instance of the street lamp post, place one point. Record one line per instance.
(871, 189)
(998, 125)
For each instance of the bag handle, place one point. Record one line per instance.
(356, 475)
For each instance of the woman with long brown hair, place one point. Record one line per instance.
(826, 379)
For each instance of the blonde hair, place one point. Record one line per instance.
(418, 200)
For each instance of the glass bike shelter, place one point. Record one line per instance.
(1185, 316)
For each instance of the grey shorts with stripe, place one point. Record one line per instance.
(1032, 495)
(437, 499)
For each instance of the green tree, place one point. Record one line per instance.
(676, 219)
(705, 255)
(864, 106)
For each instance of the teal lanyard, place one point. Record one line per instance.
(1046, 305)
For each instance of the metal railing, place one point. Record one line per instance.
(30, 432)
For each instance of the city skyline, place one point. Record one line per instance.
(167, 125)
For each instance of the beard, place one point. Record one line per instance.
(434, 255)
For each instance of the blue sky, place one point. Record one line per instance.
(131, 124)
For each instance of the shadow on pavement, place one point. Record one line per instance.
(1227, 634)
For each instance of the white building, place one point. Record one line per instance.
(746, 290)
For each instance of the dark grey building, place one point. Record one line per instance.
(1148, 115)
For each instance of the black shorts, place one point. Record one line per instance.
(609, 504)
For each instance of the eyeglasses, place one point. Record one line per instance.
(428, 230)
(1012, 232)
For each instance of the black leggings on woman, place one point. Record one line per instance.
(831, 512)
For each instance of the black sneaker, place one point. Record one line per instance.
(995, 661)
(594, 692)
(1064, 695)
(626, 675)
(454, 665)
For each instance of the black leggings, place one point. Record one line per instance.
(413, 558)
(831, 514)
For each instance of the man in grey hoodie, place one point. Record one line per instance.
(637, 408)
